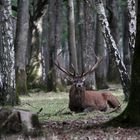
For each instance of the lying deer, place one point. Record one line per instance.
(81, 99)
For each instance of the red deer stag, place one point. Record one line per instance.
(81, 99)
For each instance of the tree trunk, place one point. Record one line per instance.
(7, 94)
(112, 48)
(131, 114)
(80, 35)
(101, 71)
(132, 24)
(89, 44)
(113, 19)
(71, 35)
(126, 50)
(35, 62)
(21, 46)
(54, 43)
(17, 120)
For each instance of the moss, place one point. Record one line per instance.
(21, 82)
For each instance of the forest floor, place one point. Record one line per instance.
(58, 123)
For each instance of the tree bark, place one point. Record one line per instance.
(131, 4)
(126, 50)
(112, 48)
(35, 31)
(8, 94)
(89, 44)
(21, 46)
(102, 70)
(54, 43)
(71, 35)
(131, 114)
(80, 37)
(17, 120)
(113, 19)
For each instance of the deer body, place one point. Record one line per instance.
(81, 99)
(84, 100)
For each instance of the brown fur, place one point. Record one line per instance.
(84, 100)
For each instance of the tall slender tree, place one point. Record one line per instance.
(100, 48)
(80, 37)
(54, 42)
(71, 35)
(89, 45)
(21, 46)
(113, 19)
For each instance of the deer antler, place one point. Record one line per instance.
(63, 70)
(92, 68)
(70, 74)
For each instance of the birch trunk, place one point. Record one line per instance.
(112, 48)
(132, 24)
(8, 94)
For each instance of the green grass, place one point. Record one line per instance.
(55, 106)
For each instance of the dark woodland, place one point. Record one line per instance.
(69, 68)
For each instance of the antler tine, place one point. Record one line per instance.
(74, 72)
(93, 67)
(63, 70)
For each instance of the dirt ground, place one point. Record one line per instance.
(90, 129)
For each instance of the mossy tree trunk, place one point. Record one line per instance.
(21, 46)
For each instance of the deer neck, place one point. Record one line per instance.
(78, 93)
